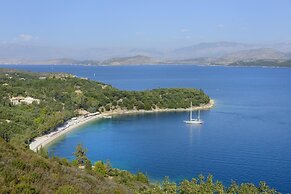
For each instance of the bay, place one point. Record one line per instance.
(245, 137)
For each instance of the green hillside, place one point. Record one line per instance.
(23, 171)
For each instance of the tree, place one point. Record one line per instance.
(80, 154)
(108, 165)
(169, 187)
(88, 165)
(142, 177)
(25, 188)
(107, 107)
(44, 153)
(66, 189)
(100, 168)
(186, 187)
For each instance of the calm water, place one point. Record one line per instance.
(246, 137)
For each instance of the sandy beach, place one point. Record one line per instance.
(75, 122)
(42, 141)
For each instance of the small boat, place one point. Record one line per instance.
(194, 121)
(107, 117)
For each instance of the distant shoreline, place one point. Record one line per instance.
(159, 64)
(73, 123)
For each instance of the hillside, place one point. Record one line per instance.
(252, 55)
(23, 171)
(138, 59)
(265, 63)
(208, 50)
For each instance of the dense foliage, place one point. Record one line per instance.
(23, 171)
(61, 95)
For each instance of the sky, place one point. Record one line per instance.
(143, 23)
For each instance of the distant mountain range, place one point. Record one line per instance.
(216, 53)
(216, 49)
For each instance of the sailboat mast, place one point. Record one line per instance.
(190, 117)
(190, 112)
(198, 114)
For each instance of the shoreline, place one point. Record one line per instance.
(160, 64)
(44, 140)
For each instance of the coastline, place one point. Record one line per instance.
(159, 64)
(73, 123)
(120, 112)
(44, 140)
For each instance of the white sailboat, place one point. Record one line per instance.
(194, 121)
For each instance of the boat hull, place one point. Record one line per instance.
(194, 122)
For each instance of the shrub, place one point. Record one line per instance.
(19, 164)
(67, 189)
(41, 164)
(100, 168)
(25, 189)
(142, 177)
(88, 165)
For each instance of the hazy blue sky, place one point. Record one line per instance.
(143, 23)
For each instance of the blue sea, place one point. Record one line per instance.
(246, 137)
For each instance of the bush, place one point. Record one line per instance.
(44, 153)
(142, 177)
(19, 164)
(25, 189)
(169, 187)
(92, 109)
(88, 165)
(67, 189)
(100, 168)
(107, 107)
(75, 163)
(41, 164)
